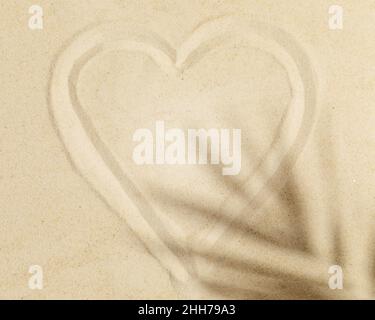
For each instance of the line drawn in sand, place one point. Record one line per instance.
(93, 160)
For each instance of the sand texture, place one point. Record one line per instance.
(74, 202)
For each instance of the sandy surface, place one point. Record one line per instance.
(73, 201)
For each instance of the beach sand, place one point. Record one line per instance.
(73, 201)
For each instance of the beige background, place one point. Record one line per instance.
(50, 216)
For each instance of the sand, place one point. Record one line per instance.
(102, 227)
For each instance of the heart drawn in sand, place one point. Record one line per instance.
(97, 164)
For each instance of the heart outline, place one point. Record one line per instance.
(93, 159)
